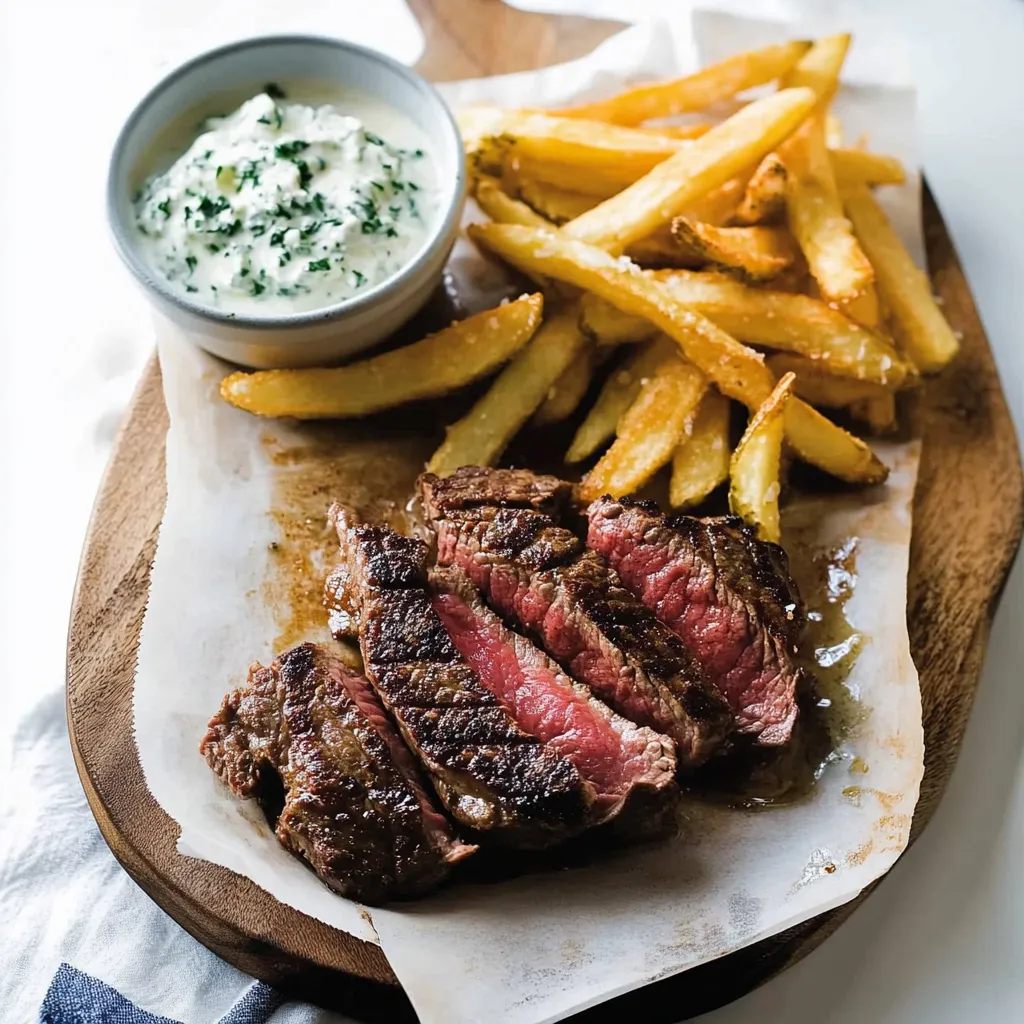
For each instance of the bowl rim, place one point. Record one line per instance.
(440, 235)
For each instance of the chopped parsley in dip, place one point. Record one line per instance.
(280, 208)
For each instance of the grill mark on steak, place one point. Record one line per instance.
(355, 806)
(541, 576)
(506, 488)
(490, 775)
(631, 767)
(726, 594)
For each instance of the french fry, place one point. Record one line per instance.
(479, 438)
(859, 167)
(738, 371)
(818, 68)
(833, 130)
(619, 392)
(783, 321)
(879, 413)
(608, 325)
(701, 462)
(556, 204)
(567, 391)
(694, 92)
(428, 368)
(816, 385)
(765, 196)
(864, 308)
(755, 254)
(649, 431)
(920, 326)
(493, 134)
(503, 208)
(599, 182)
(818, 440)
(660, 249)
(756, 464)
(677, 131)
(692, 172)
(815, 216)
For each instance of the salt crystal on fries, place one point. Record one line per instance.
(754, 470)
(719, 81)
(692, 172)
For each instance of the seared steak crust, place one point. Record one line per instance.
(631, 767)
(355, 806)
(540, 575)
(491, 776)
(506, 488)
(726, 594)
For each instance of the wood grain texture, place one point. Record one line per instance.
(967, 524)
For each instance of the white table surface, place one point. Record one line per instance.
(943, 938)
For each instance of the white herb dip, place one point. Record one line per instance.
(281, 207)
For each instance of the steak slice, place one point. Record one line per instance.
(355, 805)
(490, 775)
(542, 577)
(727, 595)
(506, 488)
(632, 768)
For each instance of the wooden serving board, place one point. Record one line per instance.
(967, 525)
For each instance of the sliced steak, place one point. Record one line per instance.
(726, 594)
(632, 768)
(506, 488)
(355, 805)
(542, 577)
(491, 775)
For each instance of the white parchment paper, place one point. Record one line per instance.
(541, 947)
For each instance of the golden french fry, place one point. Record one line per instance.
(864, 308)
(859, 167)
(619, 392)
(833, 131)
(556, 204)
(820, 442)
(772, 319)
(815, 216)
(738, 371)
(754, 254)
(599, 182)
(817, 385)
(879, 412)
(494, 134)
(568, 390)
(428, 368)
(756, 464)
(608, 325)
(920, 326)
(765, 195)
(735, 74)
(479, 438)
(677, 131)
(784, 321)
(692, 172)
(701, 462)
(819, 67)
(660, 249)
(649, 431)
(503, 208)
